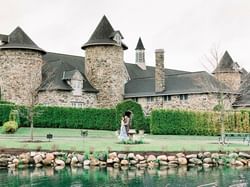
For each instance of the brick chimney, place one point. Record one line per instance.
(160, 85)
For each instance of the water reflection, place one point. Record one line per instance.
(134, 177)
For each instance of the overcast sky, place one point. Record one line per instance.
(186, 29)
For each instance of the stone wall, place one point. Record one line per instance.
(20, 74)
(65, 98)
(59, 160)
(231, 79)
(194, 102)
(104, 68)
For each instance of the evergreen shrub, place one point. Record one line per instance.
(4, 112)
(181, 122)
(79, 118)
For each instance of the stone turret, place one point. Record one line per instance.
(104, 65)
(228, 72)
(160, 84)
(20, 67)
(140, 55)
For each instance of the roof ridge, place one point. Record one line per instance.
(184, 73)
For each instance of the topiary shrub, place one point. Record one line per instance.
(10, 126)
(14, 116)
(138, 119)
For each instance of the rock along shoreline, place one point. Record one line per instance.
(115, 159)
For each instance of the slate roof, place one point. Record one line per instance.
(244, 74)
(18, 39)
(226, 64)
(182, 83)
(141, 83)
(54, 68)
(139, 45)
(103, 35)
(136, 72)
(244, 99)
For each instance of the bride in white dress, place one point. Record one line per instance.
(123, 132)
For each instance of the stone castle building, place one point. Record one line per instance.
(103, 79)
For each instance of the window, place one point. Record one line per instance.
(150, 99)
(167, 98)
(117, 38)
(183, 97)
(77, 104)
(140, 56)
(135, 99)
(77, 87)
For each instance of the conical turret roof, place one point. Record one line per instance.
(103, 35)
(140, 45)
(18, 39)
(226, 65)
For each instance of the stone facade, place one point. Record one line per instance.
(159, 71)
(193, 102)
(67, 99)
(104, 68)
(231, 79)
(20, 74)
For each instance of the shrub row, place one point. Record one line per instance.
(176, 122)
(179, 122)
(52, 117)
(88, 118)
(4, 112)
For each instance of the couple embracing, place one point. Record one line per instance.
(125, 126)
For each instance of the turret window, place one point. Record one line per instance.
(118, 38)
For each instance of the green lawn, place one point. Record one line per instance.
(99, 140)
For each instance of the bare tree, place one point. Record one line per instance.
(210, 61)
(31, 111)
(32, 102)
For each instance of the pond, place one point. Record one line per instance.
(112, 177)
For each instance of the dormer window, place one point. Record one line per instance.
(140, 57)
(118, 38)
(75, 79)
(77, 87)
(236, 66)
(3, 39)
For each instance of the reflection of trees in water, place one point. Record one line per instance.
(163, 176)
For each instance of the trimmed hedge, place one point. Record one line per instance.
(53, 117)
(4, 112)
(176, 122)
(138, 120)
(180, 122)
(87, 118)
